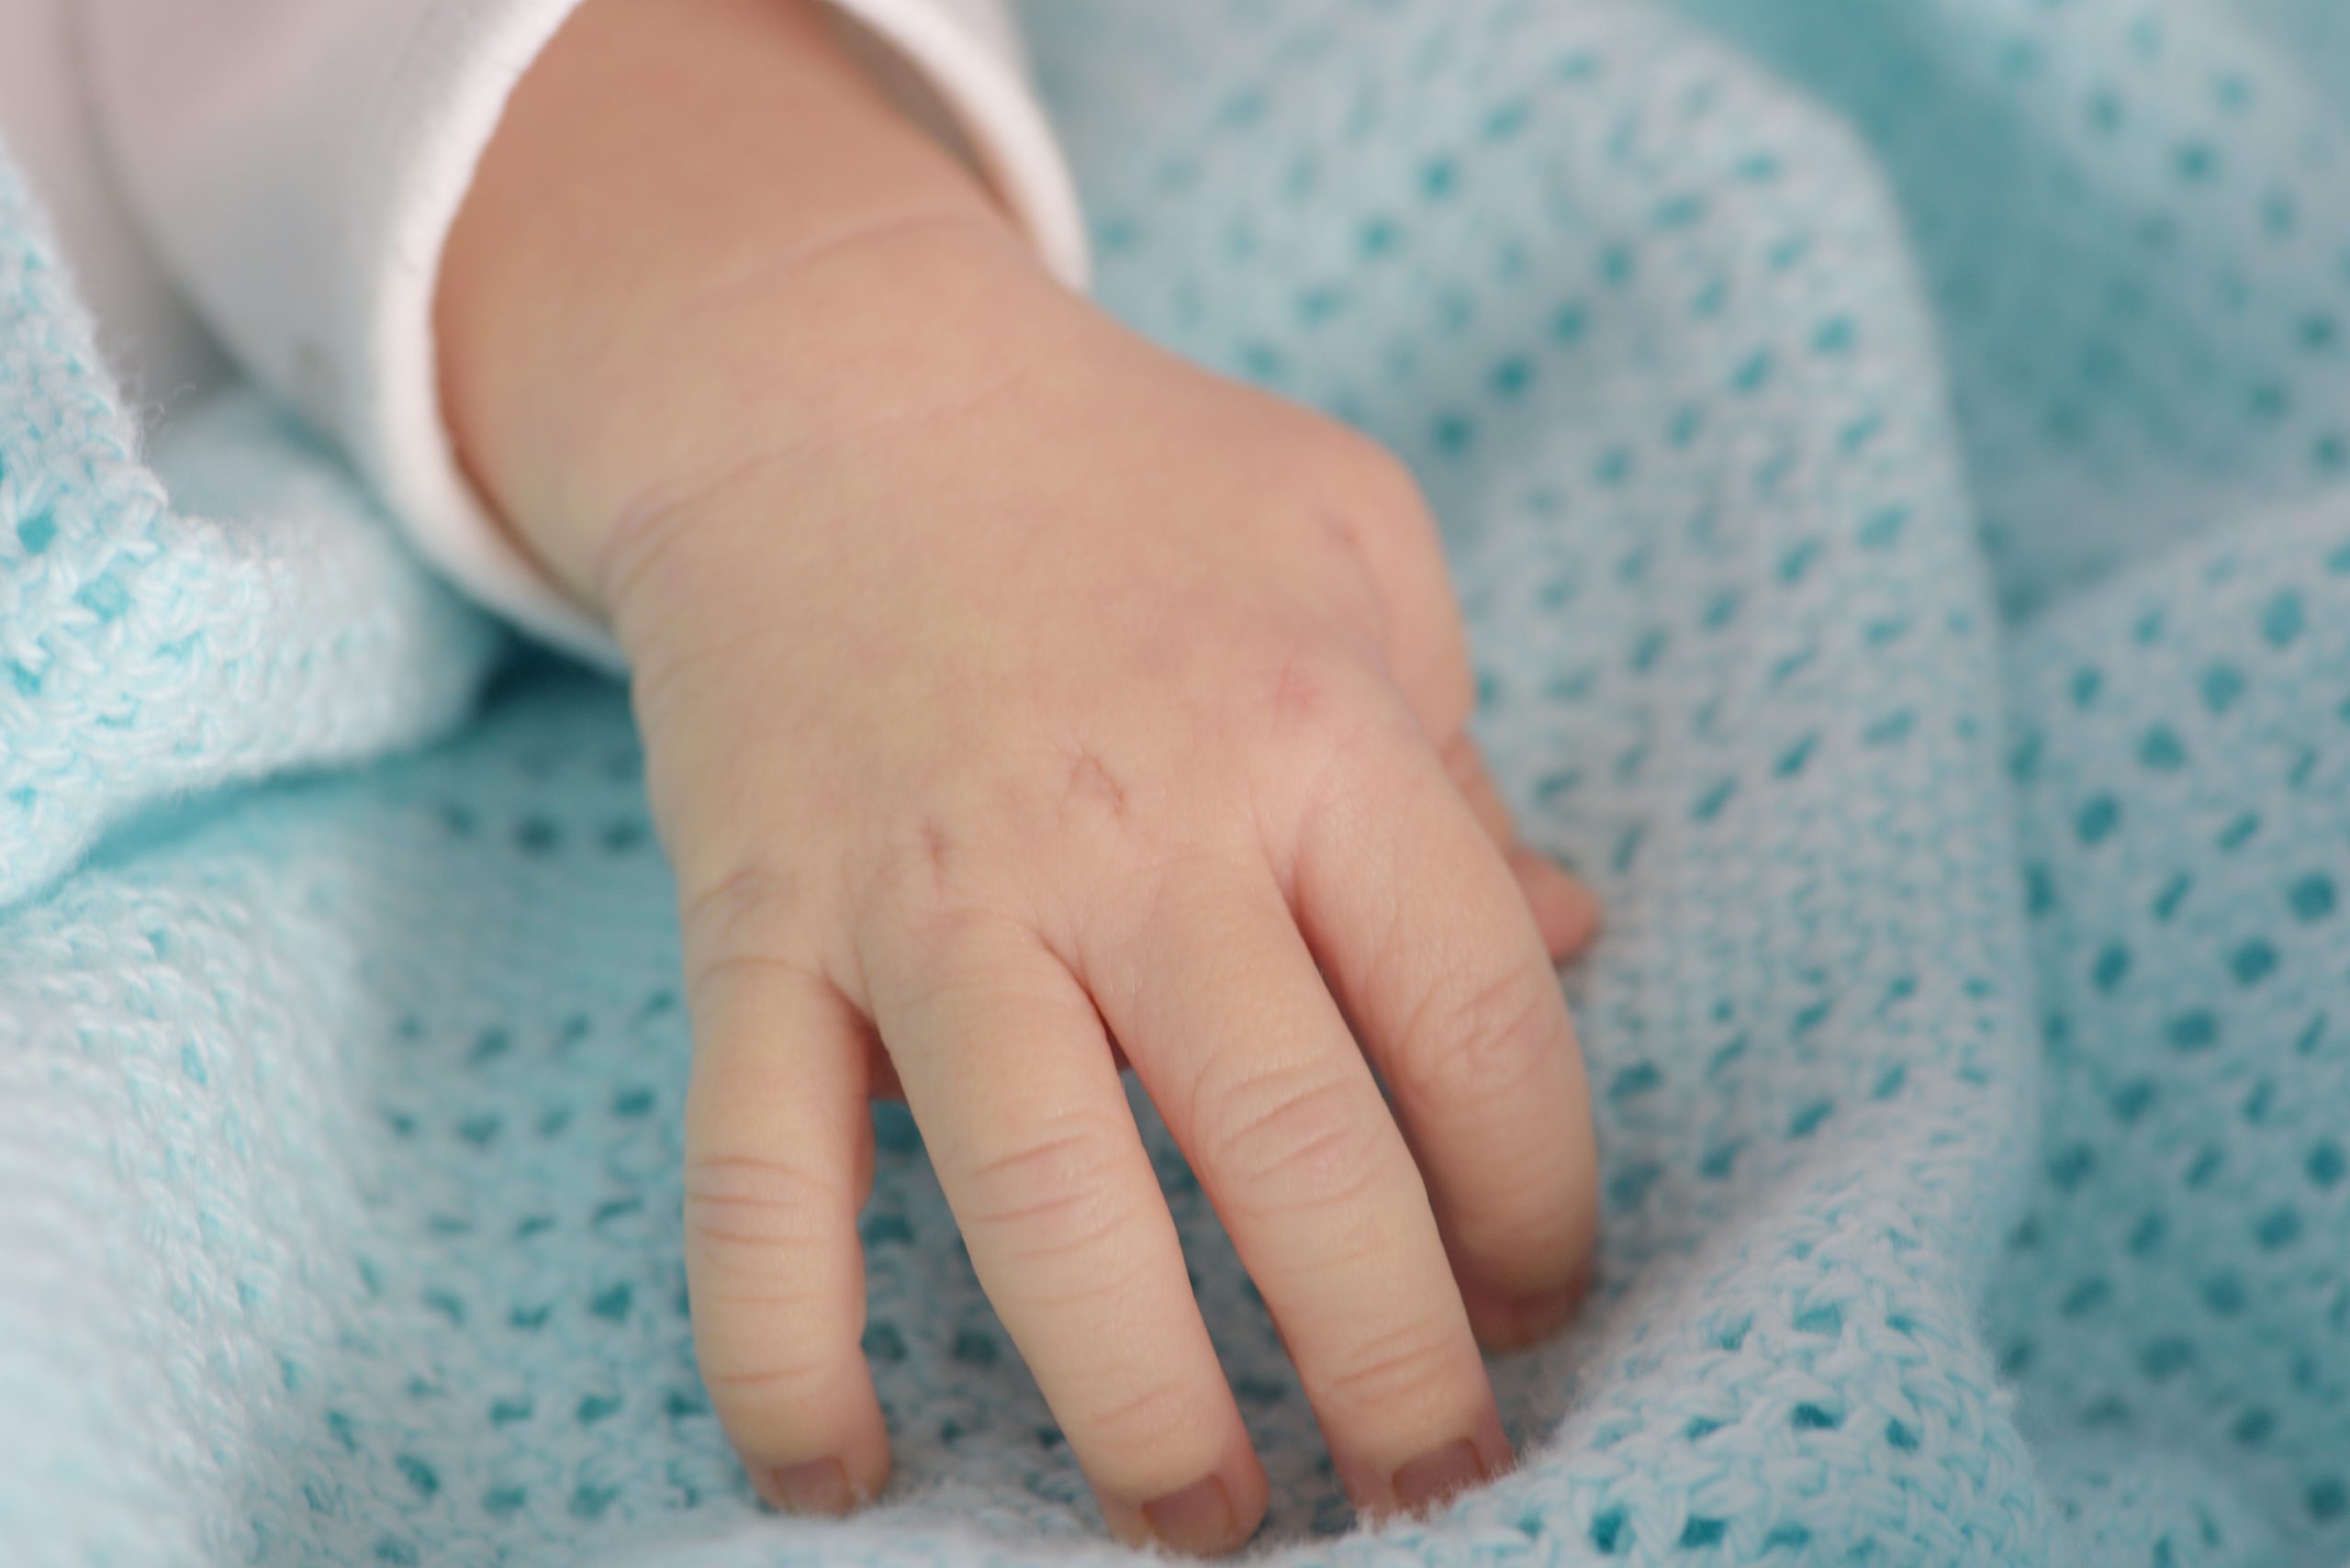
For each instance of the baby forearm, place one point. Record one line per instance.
(684, 201)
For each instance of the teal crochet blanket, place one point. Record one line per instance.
(1897, 453)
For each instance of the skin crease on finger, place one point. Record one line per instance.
(993, 667)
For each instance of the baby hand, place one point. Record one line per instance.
(1083, 704)
(1017, 698)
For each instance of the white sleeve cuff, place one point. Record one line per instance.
(301, 166)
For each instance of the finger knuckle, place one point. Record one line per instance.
(1313, 709)
(1122, 1417)
(754, 907)
(920, 865)
(1410, 1367)
(1341, 463)
(772, 1380)
(1056, 1194)
(930, 905)
(1481, 1041)
(1301, 693)
(1390, 489)
(744, 1216)
(1294, 1139)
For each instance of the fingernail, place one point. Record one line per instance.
(1438, 1475)
(814, 1486)
(1197, 1518)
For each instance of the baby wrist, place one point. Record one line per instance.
(853, 357)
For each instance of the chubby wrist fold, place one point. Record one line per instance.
(619, 311)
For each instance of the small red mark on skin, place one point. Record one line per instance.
(1368, 609)
(1090, 780)
(937, 850)
(1298, 695)
(1340, 528)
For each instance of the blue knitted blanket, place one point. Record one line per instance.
(1897, 453)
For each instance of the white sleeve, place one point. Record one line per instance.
(297, 164)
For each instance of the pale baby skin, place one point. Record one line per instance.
(1020, 698)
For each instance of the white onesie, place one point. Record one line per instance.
(284, 172)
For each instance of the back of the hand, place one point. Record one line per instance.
(1096, 707)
